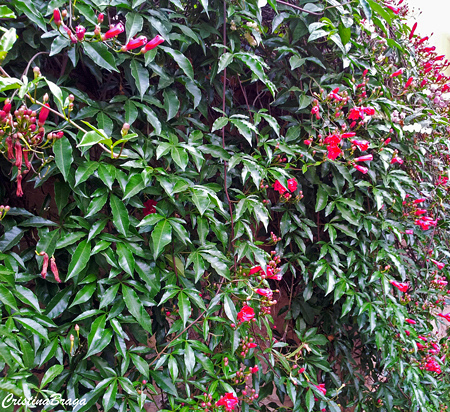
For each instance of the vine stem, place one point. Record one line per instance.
(63, 116)
(225, 163)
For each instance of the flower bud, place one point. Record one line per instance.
(36, 71)
(156, 41)
(57, 17)
(44, 265)
(54, 269)
(80, 32)
(100, 18)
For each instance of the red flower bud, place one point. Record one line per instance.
(135, 43)
(365, 158)
(100, 18)
(43, 114)
(156, 41)
(411, 321)
(18, 150)
(362, 169)
(7, 106)
(423, 39)
(80, 31)
(411, 34)
(114, 32)
(348, 135)
(9, 143)
(409, 82)
(25, 158)
(57, 17)
(54, 269)
(44, 265)
(19, 191)
(397, 73)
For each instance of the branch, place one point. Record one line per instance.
(299, 8)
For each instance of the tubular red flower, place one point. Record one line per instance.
(156, 41)
(26, 160)
(362, 144)
(348, 135)
(7, 106)
(411, 321)
(279, 187)
(397, 73)
(18, 151)
(135, 43)
(333, 152)
(229, 400)
(422, 199)
(114, 32)
(54, 269)
(255, 269)
(395, 10)
(19, 191)
(307, 142)
(9, 144)
(100, 18)
(387, 141)
(409, 82)
(403, 287)
(149, 207)
(80, 32)
(423, 39)
(333, 139)
(411, 34)
(439, 265)
(44, 264)
(43, 114)
(321, 388)
(446, 316)
(397, 159)
(57, 17)
(265, 292)
(246, 314)
(362, 169)
(292, 184)
(365, 158)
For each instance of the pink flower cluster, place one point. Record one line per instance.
(229, 400)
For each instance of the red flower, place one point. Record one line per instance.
(279, 187)
(156, 41)
(333, 152)
(246, 314)
(365, 158)
(100, 18)
(397, 159)
(57, 16)
(439, 265)
(149, 207)
(292, 185)
(135, 43)
(228, 400)
(397, 73)
(114, 32)
(307, 142)
(446, 317)
(411, 34)
(43, 114)
(19, 191)
(44, 264)
(362, 169)
(255, 269)
(355, 113)
(271, 275)
(362, 144)
(411, 321)
(254, 369)
(18, 151)
(80, 31)
(321, 388)
(422, 199)
(252, 345)
(409, 82)
(423, 39)
(396, 10)
(333, 139)
(54, 269)
(387, 141)
(265, 292)
(409, 231)
(348, 135)
(315, 112)
(403, 287)
(370, 111)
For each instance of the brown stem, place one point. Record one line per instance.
(298, 8)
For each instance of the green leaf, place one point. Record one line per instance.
(184, 306)
(63, 156)
(182, 61)
(134, 186)
(33, 326)
(126, 258)
(141, 76)
(8, 298)
(51, 374)
(224, 61)
(120, 215)
(205, 5)
(109, 296)
(27, 297)
(10, 238)
(131, 112)
(219, 123)
(133, 25)
(8, 39)
(201, 200)
(84, 171)
(136, 308)
(92, 137)
(152, 118)
(96, 205)
(180, 157)
(84, 294)
(79, 259)
(37, 221)
(58, 303)
(164, 382)
(161, 236)
(141, 364)
(171, 103)
(8, 83)
(96, 228)
(107, 173)
(322, 199)
(245, 128)
(100, 54)
(98, 337)
(109, 398)
(256, 65)
(6, 13)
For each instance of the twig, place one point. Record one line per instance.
(298, 8)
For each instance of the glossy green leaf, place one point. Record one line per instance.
(79, 259)
(51, 374)
(141, 76)
(171, 103)
(161, 236)
(84, 294)
(120, 215)
(136, 308)
(125, 258)
(100, 55)
(133, 25)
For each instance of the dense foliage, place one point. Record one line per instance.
(222, 205)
